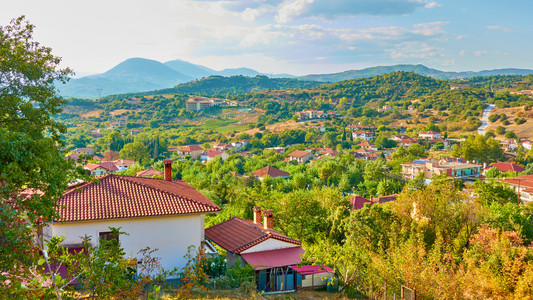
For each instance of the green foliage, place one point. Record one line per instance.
(135, 151)
(500, 129)
(481, 149)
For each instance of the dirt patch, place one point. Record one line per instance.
(92, 113)
(121, 111)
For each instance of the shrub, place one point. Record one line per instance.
(500, 130)
(519, 121)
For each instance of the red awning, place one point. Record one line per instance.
(274, 258)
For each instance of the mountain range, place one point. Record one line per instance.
(140, 74)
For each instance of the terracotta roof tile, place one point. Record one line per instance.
(236, 235)
(149, 173)
(116, 196)
(270, 171)
(504, 167)
(190, 148)
(299, 153)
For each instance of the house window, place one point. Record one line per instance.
(109, 236)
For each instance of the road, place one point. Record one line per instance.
(485, 119)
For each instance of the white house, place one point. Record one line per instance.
(100, 169)
(124, 164)
(158, 213)
(365, 135)
(270, 253)
(430, 135)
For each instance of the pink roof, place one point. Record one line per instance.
(430, 132)
(274, 258)
(312, 269)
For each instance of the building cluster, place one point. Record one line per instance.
(313, 114)
(197, 103)
(453, 167)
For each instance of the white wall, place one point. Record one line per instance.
(270, 244)
(171, 235)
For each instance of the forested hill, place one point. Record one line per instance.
(391, 86)
(234, 85)
(385, 88)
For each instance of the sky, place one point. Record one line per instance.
(297, 37)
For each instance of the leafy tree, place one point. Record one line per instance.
(500, 129)
(30, 142)
(510, 135)
(481, 149)
(135, 151)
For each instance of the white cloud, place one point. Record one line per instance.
(290, 9)
(432, 5)
(462, 52)
(460, 37)
(499, 27)
(480, 53)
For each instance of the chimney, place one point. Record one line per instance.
(268, 219)
(257, 214)
(168, 169)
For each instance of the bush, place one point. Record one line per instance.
(500, 130)
(510, 135)
(494, 118)
(519, 121)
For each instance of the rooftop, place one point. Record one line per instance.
(270, 171)
(236, 235)
(118, 196)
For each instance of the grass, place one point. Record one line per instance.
(223, 126)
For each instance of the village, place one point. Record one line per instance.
(151, 201)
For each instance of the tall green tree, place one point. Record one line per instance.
(33, 171)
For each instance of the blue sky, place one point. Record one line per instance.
(284, 36)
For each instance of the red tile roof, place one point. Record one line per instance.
(190, 148)
(149, 173)
(523, 181)
(299, 153)
(358, 202)
(236, 235)
(213, 153)
(116, 196)
(109, 166)
(385, 199)
(270, 171)
(505, 167)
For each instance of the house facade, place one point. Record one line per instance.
(157, 213)
(301, 156)
(456, 169)
(101, 169)
(361, 134)
(193, 151)
(430, 135)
